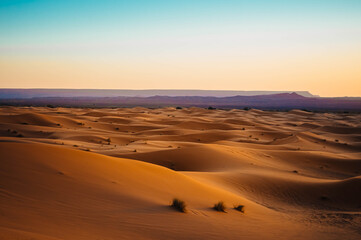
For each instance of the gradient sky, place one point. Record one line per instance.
(213, 44)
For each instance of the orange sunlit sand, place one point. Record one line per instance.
(71, 173)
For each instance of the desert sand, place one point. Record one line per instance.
(71, 173)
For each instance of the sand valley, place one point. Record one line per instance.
(79, 173)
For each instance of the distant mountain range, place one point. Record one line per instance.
(31, 93)
(280, 101)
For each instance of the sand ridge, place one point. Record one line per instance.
(78, 173)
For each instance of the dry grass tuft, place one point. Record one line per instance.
(179, 205)
(239, 208)
(220, 207)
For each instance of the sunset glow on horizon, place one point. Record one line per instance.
(214, 45)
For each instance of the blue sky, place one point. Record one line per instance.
(165, 34)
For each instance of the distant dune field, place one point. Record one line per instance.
(78, 173)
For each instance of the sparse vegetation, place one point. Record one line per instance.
(239, 208)
(220, 207)
(178, 108)
(179, 205)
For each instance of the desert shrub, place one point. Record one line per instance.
(211, 108)
(179, 205)
(220, 207)
(178, 108)
(239, 208)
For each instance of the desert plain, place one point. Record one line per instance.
(81, 173)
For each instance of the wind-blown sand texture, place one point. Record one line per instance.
(68, 173)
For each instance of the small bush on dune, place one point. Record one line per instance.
(179, 205)
(220, 207)
(239, 208)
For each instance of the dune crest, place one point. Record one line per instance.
(71, 173)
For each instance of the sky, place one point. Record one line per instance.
(190, 44)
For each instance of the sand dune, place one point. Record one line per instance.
(70, 173)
